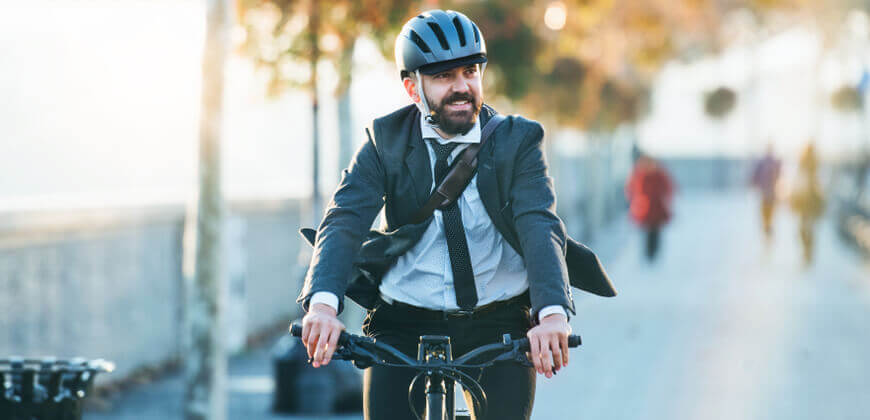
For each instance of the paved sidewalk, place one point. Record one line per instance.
(722, 327)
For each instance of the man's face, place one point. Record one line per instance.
(455, 96)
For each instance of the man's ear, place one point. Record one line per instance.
(411, 88)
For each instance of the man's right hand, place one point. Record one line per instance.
(320, 331)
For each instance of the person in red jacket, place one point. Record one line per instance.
(649, 191)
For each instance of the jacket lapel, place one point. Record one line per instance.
(487, 182)
(417, 163)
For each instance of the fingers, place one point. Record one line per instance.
(311, 344)
(563, 345)
(547, 361)
(541, 355)
(557, 354)
(331, 343)
(548, 349)
(535, 350)
(320, 333)
(306, 329)
(319, 348)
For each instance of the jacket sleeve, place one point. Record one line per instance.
(541, 233)
(348, 217)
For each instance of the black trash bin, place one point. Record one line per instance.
(302, 389)
(46, 388)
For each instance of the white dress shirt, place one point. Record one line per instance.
(423, 277)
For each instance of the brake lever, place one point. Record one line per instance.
(514, 356)
(363, 359)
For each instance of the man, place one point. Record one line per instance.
(490, 263)
(765, 176)
(649, 191)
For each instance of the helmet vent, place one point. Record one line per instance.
(440, 34)
(460, 31)
(420, 43)
(476, 34)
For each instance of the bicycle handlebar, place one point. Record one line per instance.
(521, 343)
(363, 352)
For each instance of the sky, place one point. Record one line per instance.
(101, 97)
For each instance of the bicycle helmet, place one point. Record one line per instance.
(435, 41)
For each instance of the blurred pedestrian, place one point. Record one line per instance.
(649, 192)
(807, 200)
(765, 176)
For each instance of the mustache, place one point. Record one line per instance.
(459, 97)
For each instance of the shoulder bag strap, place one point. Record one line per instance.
(459, 176)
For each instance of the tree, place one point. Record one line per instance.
(280, 33)
(205, 362)
(277, 40)
(381, 19)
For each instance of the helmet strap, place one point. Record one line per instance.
(423, 104)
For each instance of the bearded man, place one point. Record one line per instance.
(497, 260)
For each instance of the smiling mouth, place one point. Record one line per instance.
(460, 105)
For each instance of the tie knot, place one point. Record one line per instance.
(442, 151)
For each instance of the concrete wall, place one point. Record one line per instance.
(109, 284)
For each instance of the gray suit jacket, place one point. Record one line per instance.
(392, 169)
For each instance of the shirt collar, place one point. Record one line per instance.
(472, 136)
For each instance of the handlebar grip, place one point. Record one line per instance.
(574, 341)
(296, 331)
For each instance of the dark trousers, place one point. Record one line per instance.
(652, 242)
(510, 388)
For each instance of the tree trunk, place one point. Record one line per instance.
(345, 106)
(314, 44)
(205, 362)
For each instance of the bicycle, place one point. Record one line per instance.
(437, 367)
(47, 388)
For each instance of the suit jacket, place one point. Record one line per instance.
(392, 169)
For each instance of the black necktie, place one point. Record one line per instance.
(454, 231)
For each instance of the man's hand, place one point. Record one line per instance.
(548, 343)
(320, 331)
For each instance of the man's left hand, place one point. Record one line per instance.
(549, 344)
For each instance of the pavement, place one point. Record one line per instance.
(721, 326)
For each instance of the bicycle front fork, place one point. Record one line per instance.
(436, 399)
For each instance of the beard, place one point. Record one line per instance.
(456, 122)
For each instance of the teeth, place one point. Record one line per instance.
(459, 103)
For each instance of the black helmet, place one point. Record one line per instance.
(436, 41)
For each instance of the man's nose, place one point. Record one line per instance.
(460, 85)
